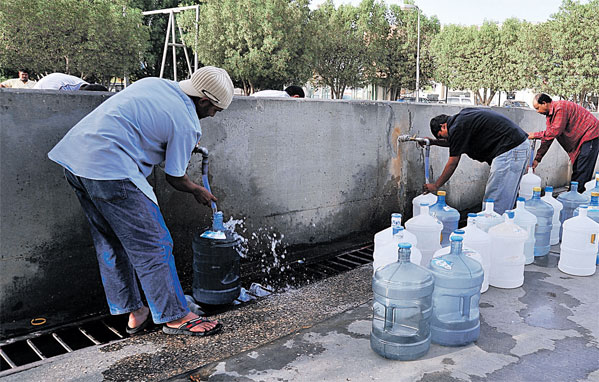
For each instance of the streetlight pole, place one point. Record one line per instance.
(405, 7)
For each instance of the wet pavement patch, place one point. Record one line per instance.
(492, 340)
(545, 309)
(439, 376)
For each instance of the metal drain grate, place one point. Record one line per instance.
(20, 353)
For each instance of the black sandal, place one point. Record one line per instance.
(144, 325)
(186, 327)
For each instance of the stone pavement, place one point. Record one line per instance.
(546, 330)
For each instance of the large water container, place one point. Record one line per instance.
(570, 200)
(447, 215)
(544, 213)
(592, 212)
(507, 254)
(471, 253)
(557, 209)
(458, 280)
(527, 183)
(578, 252)
(428, 198)
(216, 267)
(386, 241)
(428, 232)
(592, 185)
(528, 221)
(480, 241)
(488, 217)
(402, 309)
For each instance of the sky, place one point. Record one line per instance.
(475, 12)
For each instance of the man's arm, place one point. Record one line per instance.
(436, 142)
(448, 171)
(554, 129)
(183, 183)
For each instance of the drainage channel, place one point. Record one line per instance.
(23, 352)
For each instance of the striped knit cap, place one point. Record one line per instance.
(210, 82)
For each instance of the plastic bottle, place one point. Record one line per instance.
(507, 253)
(386, 241)
(557, 209)
(428, 199)
(402, 308)
(592, 185)
(527, 183)
(471, 253)
(427, 230)
(544, 213)
(480, 241)
(488, 217)
(578, 252)
(527, 221)
(592, 212)
(570, 200)
(458, 280)
(445, 214)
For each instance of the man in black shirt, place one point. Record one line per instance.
(485, 136)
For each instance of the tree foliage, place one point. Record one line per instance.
(100, 38)
(261, 43)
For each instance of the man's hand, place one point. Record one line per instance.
(531, 136)
(535, 163)
(430, 187)
(203, 196)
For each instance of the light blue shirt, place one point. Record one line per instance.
(149, 122)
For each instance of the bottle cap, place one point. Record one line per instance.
(456, 238)
(548, 189)
(490, 200)
(510, 214)
(441, 193)
(584, 206)
(594, 193)
(536, 189)
(423, 204)
(404, 245)
(459, 232)
(574, 183)
(472, 215)
(521, 199)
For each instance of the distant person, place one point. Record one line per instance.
(576, 130)
(106, 158)
(23, 82)
(61, 81)
(486, 136)
(292, 91)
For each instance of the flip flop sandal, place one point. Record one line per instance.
(186, 327)
(144, 325)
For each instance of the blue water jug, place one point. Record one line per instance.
(447, 215)
(544, 213)
(570, 200)
(402, 308)
(458, 280)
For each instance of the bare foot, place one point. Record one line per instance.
(137, 317)
(203, 327)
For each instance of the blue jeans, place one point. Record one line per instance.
(131, 238)
(507, 170)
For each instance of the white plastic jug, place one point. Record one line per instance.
(557, 209)
(527, 221)
(427, 230)
(429, 199)
(470, 252)
(527, 183)
(580, 239)
(480, 241)
(507, 258)
(488, 217)
(385, 247)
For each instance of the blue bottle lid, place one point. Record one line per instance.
(510, 214)
(423, 204)
(584, 206)
(548, 189)
(573, 184)
(456, 238)
(490, 200)
(521, 199)
(459, 232)
(404, 245)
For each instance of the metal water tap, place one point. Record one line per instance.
(427, 150)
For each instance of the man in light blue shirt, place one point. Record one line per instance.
(107, 157)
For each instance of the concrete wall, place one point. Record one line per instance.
(298, 171)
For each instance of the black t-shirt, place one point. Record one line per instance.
(482, 134)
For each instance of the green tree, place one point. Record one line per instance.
(96, 39)
(261, 43)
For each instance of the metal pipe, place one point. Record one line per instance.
(204, 152)
(427, 151)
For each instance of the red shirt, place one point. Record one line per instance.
(569, 123)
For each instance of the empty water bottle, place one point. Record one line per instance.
(528, 221)
(402, 308)
(445, 214)
(527, 183)
(428, 232)
(592, 212)
(480, 241)
(386, 241)
(570, 200)
(488, 217)
(428, 199)
(557, 209)
(579, 247)
(592, 185)
(507, 258)
(544, 213)
(458, 280)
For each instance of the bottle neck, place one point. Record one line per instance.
(520, 204)
(536, 195)
(582, 212)
(456, 247)
(403, 255)
(398, 232)
(594, 200)
(471, 222)
(441, 200)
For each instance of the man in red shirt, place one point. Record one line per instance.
(576, 130)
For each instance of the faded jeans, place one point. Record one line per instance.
(504, 179)
(131, 238)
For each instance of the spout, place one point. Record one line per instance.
(204, 152)
(413, 138)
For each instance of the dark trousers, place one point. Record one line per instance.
(584, 166)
